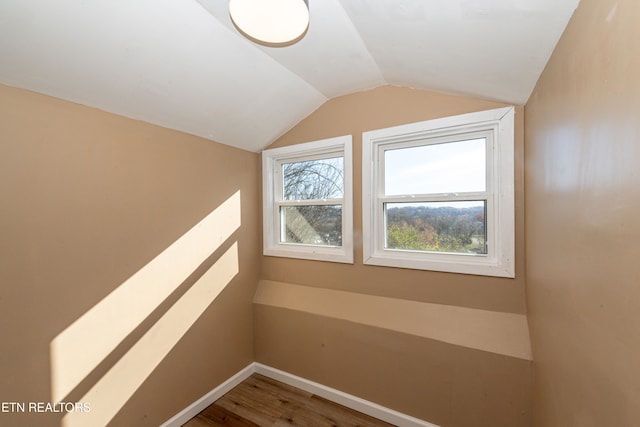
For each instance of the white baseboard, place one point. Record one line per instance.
(344, 399)
(201, 404)
(337, 396)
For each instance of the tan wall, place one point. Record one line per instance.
(583, 201)
(443, 379)
(88, 199)
(448, 385)
(380, 108)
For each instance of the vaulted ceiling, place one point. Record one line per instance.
(181, 64)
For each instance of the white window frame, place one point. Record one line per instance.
(500, 217)
(272, 161)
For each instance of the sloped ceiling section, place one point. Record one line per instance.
(182, 65)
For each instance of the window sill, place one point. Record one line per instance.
(313, 253)
(449, 263)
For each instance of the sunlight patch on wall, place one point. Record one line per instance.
(113, 390)
(81, 347)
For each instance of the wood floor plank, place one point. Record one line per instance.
(198, 421)
(345, 416)
(219, 416)
(280, 386)
(248, 400)
(265, 402)
(303, 417)
(256, 412)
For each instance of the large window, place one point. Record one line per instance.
(307, 195)
(438, 195)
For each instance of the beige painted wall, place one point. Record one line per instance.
(446, 380)
(448, 385)
(380, 108)
(583, 202)
(87, 200)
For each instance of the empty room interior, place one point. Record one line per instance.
(423, 210)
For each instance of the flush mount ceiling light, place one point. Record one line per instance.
(271, 22)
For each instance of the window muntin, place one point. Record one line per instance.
(462, 165)
(307, 200)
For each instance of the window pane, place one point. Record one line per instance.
(452, 167)
(312, 225)
(458, 227)
(313, 179)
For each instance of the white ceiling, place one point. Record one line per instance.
(182, 65)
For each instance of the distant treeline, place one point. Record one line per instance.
(442, 229)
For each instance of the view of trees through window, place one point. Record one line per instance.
(458, 227)
(439, 171)
(315, 186)
(311, 212)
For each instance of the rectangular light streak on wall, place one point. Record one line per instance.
(113, 390)
(82, 346)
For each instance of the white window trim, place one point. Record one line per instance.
(271, 159)
(500, 222)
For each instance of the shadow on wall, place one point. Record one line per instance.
(88, 341)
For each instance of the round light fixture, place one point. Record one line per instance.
(271, 22)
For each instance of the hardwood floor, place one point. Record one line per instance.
(261, 401)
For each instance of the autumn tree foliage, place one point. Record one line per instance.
(441, 229)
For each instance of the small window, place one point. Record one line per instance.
(438, 195)
(307, 193)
